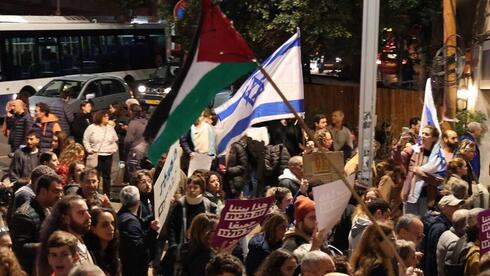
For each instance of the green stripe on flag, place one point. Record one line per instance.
(185, 114)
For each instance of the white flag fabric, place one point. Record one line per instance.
(256, 101)
(436, 165)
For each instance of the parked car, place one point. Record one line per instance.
(152, 91)
(102, 90)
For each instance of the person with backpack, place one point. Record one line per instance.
(448, 239)
(46, 125)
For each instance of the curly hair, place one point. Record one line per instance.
(9, 266)
(72, 152)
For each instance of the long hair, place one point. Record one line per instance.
(272, 264)
(109, 261)
(72, 152)
(207, 177)
(71, 171)
(55, 221)
(270, 224)
(201, 227)
(368, 252)
(358, 211)
(9, 264)
(63, 142)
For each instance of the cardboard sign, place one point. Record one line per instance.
(167, 183)
(484, 225)
(316, 167)
(240, 217)
(199, 162)
(330, 202)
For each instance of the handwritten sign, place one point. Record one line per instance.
(240, 217)
(167, 183)
(330, 202)
(316, 167)
(484, 225)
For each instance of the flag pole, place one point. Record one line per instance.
(330, 163)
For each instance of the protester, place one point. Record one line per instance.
(74, 176)
(390, 186)
(188, 207)
(72, 153)
(21, 125)
(473, 134)
(457, 169)
(119, 119)
(201, 138)
(25, 159)
(62, 110)
(5, 239)
(191, 257)
(135, 241)
(325, 140)
(237, 168)
(316, 263)
(60, 142)
(269, 239)
(305, 218)
(49, 159)
(293, 175)
(472, 264)
(82, 120)
(450, 144)
(225, 264)
(102, 240)
(447, 205)
(214, 189)
(69, 214)
(135, 144)
(448, 239)
(414, 130)
(320, 121)
(86, 270)
(100, 139)
(27, 220)
(9, 264)
(409, 227)
(142, 180)
(280, 262)
(46, 125)
(406, 251)
(282, 198)
(342, 140)
(374, 256)
(62, 252)
(88, 190)
(380, 209)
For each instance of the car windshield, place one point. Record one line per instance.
(54, 88)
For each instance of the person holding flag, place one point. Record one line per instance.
(424, 162)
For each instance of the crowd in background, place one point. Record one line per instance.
(60, 219)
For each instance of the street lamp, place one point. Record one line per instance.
(462, 94)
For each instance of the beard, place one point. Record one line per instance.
(80, 228)
(453, 147)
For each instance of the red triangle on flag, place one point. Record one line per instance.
(219, 41)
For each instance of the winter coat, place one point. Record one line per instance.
(46, 128)
(64, 112)
(134, 133)
(439, 226)
(135, 243)
(276, 160)
(22, 164)
(101, 139)
(21, 125)
(288, 180)
(237, 168)
(358, 227)
(445, 247)
(293, 239)
(24, 229)
(176, 231)
(192, 262)
(80, 124)
(258, 250)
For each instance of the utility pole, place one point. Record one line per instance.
(450, 89)
(367, 103)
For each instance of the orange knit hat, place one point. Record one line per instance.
(303, 206)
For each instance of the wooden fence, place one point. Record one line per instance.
(392, 105)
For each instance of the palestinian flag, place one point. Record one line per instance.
(219, 56)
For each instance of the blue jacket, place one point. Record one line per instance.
(64, 113)
(475, 163)
(21, 125)
(440, 224)
(258, 250)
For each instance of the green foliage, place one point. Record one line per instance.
(465, 117)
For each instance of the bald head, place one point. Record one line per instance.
(19, 106)
(316, 263)
(460, 220)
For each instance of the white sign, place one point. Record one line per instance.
(167, 183)
(330, 202)
(199, 161)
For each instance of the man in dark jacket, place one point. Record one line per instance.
(27, 220)
(291, 177)
(237, 168)
(21, 125)
(63, 111)
(134, 142)
(447, 205)
(81, 121)
(25, 159)
(135, 241)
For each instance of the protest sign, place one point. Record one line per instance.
(240, 217)
(484, 225)
(330, 202)
(199, 161)
(167, 183)
(316, 167)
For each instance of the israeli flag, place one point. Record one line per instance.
(436, 165)
(256, 101)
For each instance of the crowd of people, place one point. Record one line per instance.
(60, 219)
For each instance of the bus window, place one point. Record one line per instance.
(141, 53)
(48, 56)
(112, 56)
(158, 44)
(90, 54)
(70, 55)
(22, 54)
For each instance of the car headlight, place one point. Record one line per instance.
(142, 89)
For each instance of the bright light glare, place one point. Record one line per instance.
(141, 88)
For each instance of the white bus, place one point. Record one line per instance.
(35, 49)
